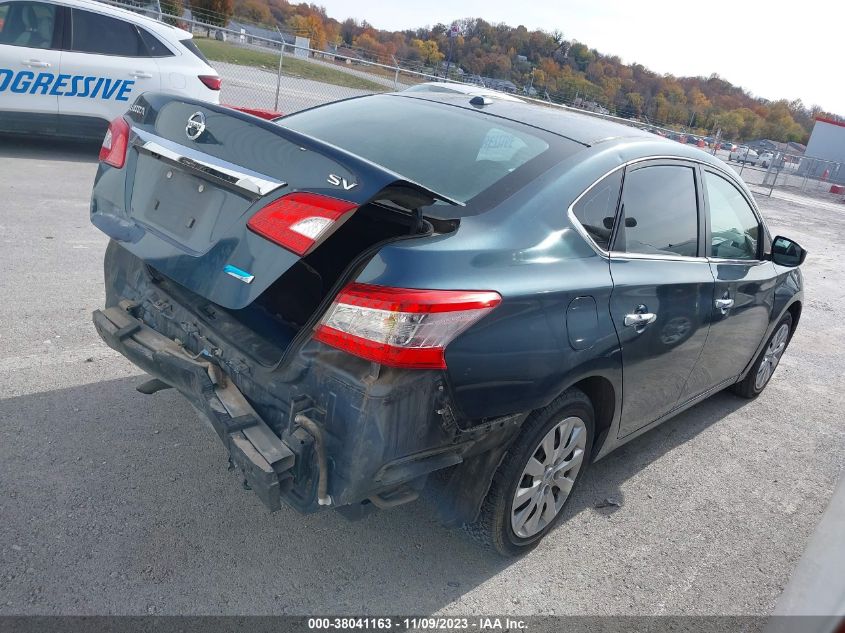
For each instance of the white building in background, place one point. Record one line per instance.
(827, 143)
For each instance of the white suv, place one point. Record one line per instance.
(68, 67)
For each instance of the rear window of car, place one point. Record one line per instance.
(154, 46)
(189, 44)
(453, 151)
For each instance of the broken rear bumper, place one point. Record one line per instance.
(263, 458)
(376, 433)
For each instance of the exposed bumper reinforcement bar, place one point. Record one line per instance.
(253, 447)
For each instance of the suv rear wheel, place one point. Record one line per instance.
(537, 476)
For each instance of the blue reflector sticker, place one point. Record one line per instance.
(237, 273)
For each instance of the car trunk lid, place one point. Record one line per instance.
(196, 173)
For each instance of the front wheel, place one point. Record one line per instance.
(537, 476)
(764, 367)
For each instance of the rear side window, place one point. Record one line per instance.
(155, 48)
(456, 152)
(28, 24)
(660, 207)
(189, 44)
(596, 211)
(103, 35)
(734, 229)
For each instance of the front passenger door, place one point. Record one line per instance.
(745, 284)
(662, 288)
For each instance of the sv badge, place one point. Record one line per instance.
(337, 181)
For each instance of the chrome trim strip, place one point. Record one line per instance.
(249, 181)
(728, 260)
(674, 258)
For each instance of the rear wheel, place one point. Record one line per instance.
(761, 372)
(537, 476)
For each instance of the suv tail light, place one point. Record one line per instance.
(115, 143)
(212, 82)
(300, 221)
(401, 327)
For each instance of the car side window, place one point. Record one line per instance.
(28, 24)
(734, 229)
(103, 35)
(660, 208)
(596, 210)
(155, 48)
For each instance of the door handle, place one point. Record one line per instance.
(639, 319)
(725, 304)
(140, 74)
(36, 63)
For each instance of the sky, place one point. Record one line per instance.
(773, 49)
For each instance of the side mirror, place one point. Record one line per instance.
(785, 252)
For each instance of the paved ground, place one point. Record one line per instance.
(114, 502)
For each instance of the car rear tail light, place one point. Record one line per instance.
(300, 221)
(401, 327)
(212, 82)
(115, 143)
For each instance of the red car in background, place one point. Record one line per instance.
(261, 113)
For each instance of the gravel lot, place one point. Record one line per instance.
(114, 502)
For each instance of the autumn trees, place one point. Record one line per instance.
(554, 67)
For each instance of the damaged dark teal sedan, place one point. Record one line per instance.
(402, 293)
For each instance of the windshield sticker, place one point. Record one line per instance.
(499, 146)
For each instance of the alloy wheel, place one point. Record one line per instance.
(548, 477)
(772, 356)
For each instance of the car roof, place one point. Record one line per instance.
(577, 125)
(470, 89)
(573, 124)
(171, 33)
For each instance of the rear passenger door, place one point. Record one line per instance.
(29, 60)
(745, 283)
(108, 65)
(662, 287)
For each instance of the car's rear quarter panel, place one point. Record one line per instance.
(519, 357)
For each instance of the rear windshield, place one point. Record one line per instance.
(456, 152)
(189, 44)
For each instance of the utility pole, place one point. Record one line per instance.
(453, 33)
(281, 57)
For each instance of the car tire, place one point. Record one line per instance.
(764, 367)
(572, 413)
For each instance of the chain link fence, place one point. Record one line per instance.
(764, 172)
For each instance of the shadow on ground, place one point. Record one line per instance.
(121, 503)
